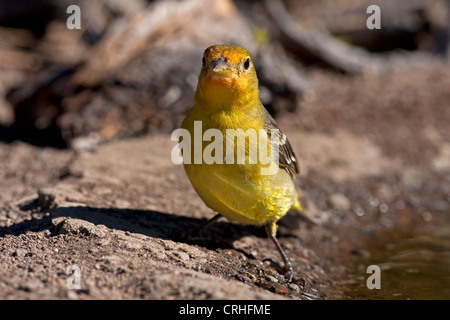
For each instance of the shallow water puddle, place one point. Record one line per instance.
(413, 264)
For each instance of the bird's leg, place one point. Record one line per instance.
(209, 223)
(271, 230)
(196, 232)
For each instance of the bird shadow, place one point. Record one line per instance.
(160, 225)
(152, 223)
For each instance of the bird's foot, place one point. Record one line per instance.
(290, 276)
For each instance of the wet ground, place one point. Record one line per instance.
(414, 264)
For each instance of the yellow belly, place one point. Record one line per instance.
(235, 192)
(240, 192)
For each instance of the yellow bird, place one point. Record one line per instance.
(227, 100)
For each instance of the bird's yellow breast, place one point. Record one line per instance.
(240, 192)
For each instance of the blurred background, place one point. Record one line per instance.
(132, 67)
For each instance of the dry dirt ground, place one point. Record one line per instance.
(374, 153)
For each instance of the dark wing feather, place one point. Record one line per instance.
(286, 156)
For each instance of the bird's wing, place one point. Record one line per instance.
(286, 156)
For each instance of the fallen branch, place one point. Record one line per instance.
(324, 48)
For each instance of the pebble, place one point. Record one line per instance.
(69, 225)
(182, 255)
(280, 289)
(46, 198)
(271, 278)
(19, 253)
(294, 287)
(32, 285)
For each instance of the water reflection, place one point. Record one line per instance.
(414, 265)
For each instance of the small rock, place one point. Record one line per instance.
(159, 255)
(52, 198)
(72, 295)
(91, 230)
(32, 285)
(47, 233)
(12, 215)
(19, 253)
(47, 198)
(294, 287)
(64, 225)
(271, 278)
(273, 287)
(182, 255)
(280, 289)
(132, 244)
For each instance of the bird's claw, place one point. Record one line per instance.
(290, 276)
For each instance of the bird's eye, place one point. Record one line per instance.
(203, 61)
(247, 64)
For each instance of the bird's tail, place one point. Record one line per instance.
(297, 206)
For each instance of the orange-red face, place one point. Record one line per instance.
(228, 67)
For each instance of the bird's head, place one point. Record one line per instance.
(227, 74)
